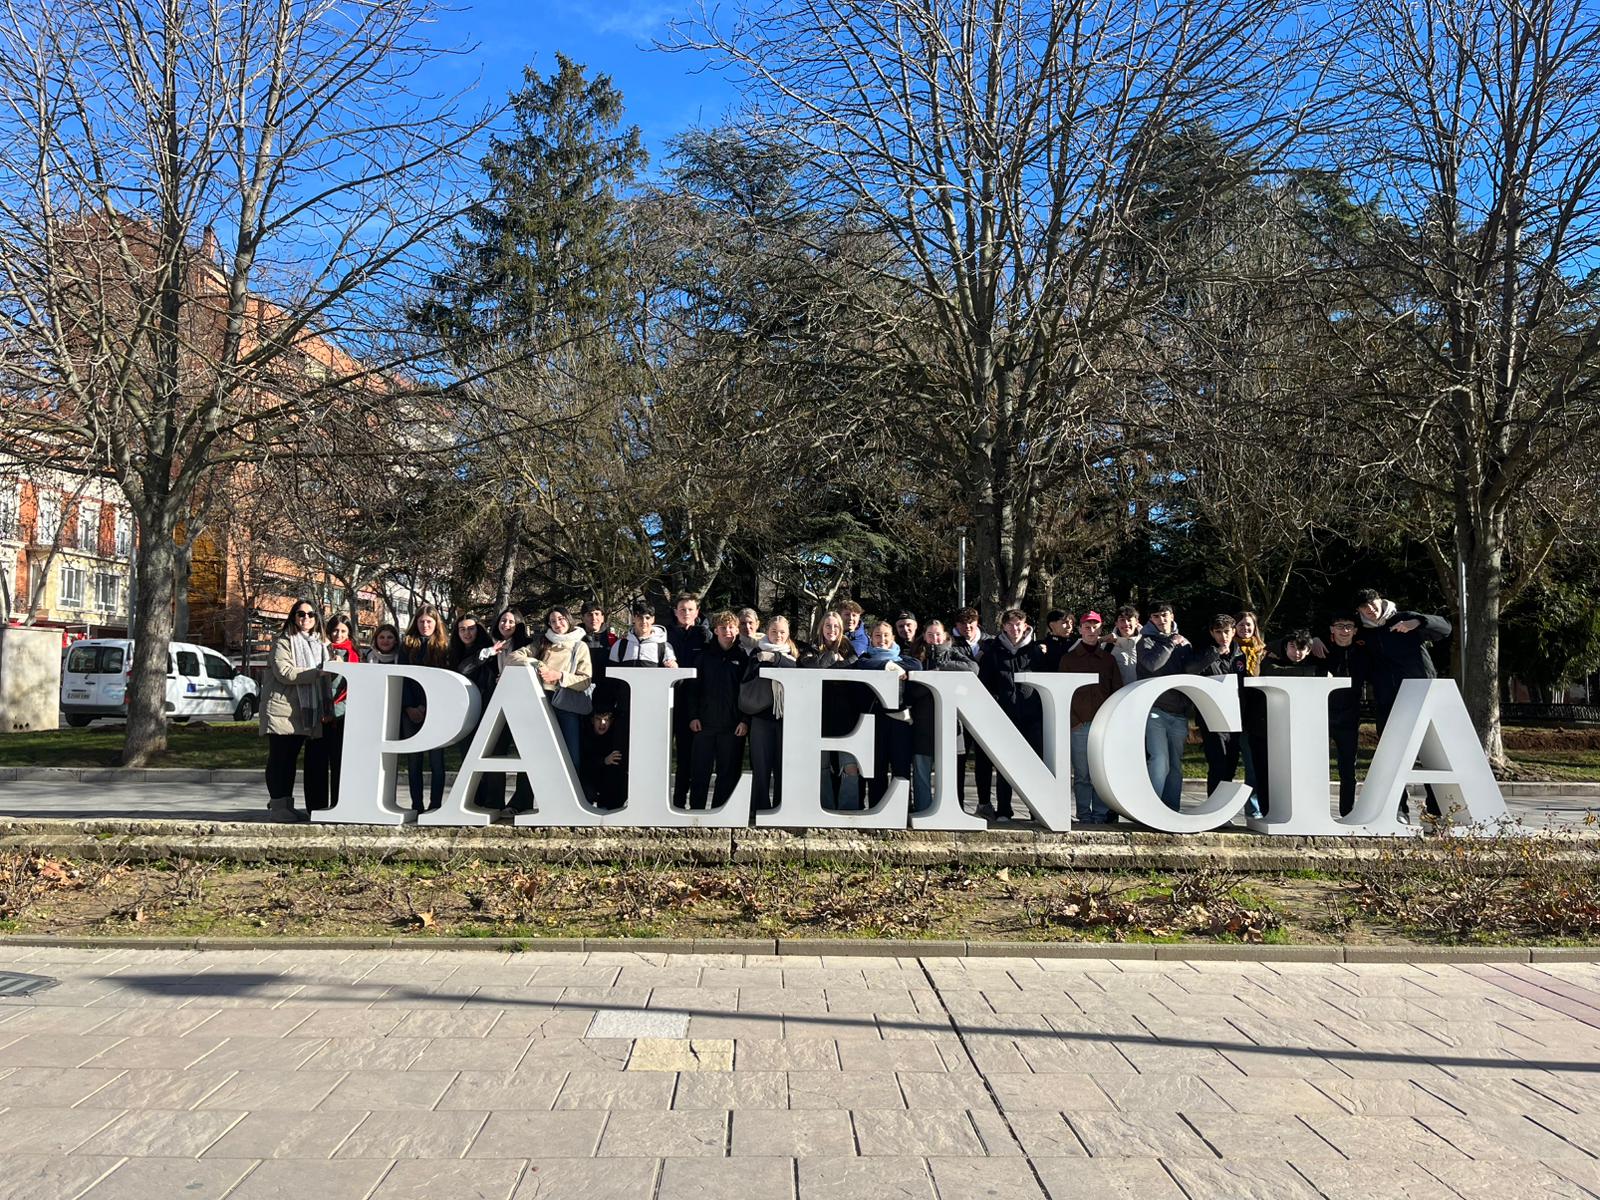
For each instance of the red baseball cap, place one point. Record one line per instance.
(1091, 615)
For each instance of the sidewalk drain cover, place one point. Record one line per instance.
(15, 984)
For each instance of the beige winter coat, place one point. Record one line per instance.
(576, 672)
(281, 711)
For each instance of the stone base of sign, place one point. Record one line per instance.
(1092, 850)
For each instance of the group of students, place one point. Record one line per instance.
(730, 707)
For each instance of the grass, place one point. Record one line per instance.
(1409, 897)
(236, 744)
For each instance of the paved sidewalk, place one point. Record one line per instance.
(332, 1075)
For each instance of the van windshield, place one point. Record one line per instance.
(94, 660)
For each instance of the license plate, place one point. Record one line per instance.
(78, 695)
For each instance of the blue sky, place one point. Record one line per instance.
(664, 93)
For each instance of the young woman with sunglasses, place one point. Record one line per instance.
(294, 701)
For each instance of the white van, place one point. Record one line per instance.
(200, 682)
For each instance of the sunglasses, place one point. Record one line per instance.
(304, 612)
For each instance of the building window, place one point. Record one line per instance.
(106, 587)
(124, 546)
(72, 581)
(47, 526)
(88, 530)
(9, 524)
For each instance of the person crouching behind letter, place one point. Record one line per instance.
(605, 757)
(292, 709)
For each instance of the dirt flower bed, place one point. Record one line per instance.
(1509, 887)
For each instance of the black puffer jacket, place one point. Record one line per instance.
(998, 669)
(1344, 662)
(717, 678)
(1393, 657)
(923, 724)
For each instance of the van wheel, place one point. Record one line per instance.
(246, 710)
(79, 720)
(179, 720)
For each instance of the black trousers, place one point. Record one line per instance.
(1222, 757)
(892, 745)
(766, 762)
(333, 741)
(683, 753)
(491, 789)
(982, 775)
(1346, 736)
(719, 752)
(1258, 758)
(283, 752)
(1033, 733)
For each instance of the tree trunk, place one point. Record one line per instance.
(1481, 544)
(182, 564)
(152, 632)
(507, 580)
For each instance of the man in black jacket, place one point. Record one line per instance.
(687, 636)
(967, 641)
(718, 726)
(1221, 659)
(1008, 654)
(1059, 637)
(1394, 645)
(1342, 659)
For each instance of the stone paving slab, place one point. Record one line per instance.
(250, 1074)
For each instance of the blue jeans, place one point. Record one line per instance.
(1164, 737)
(571, 726)
(1090, 806)
(841, 792)
(921, 782)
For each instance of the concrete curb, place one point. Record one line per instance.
(850, 947)
(1575, 789)
(145, 840)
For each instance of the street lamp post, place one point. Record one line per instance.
(961, 570)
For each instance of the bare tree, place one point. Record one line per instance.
(998, 145)
(138, 340)
(1475, 127)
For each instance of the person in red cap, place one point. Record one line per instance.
(1089, 655)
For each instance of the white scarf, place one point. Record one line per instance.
(652, 650)
(1005, 640)
(1385, 615)
(563, 639)
(378, 656)
(309, 652)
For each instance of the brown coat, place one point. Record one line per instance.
(1099, 661)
